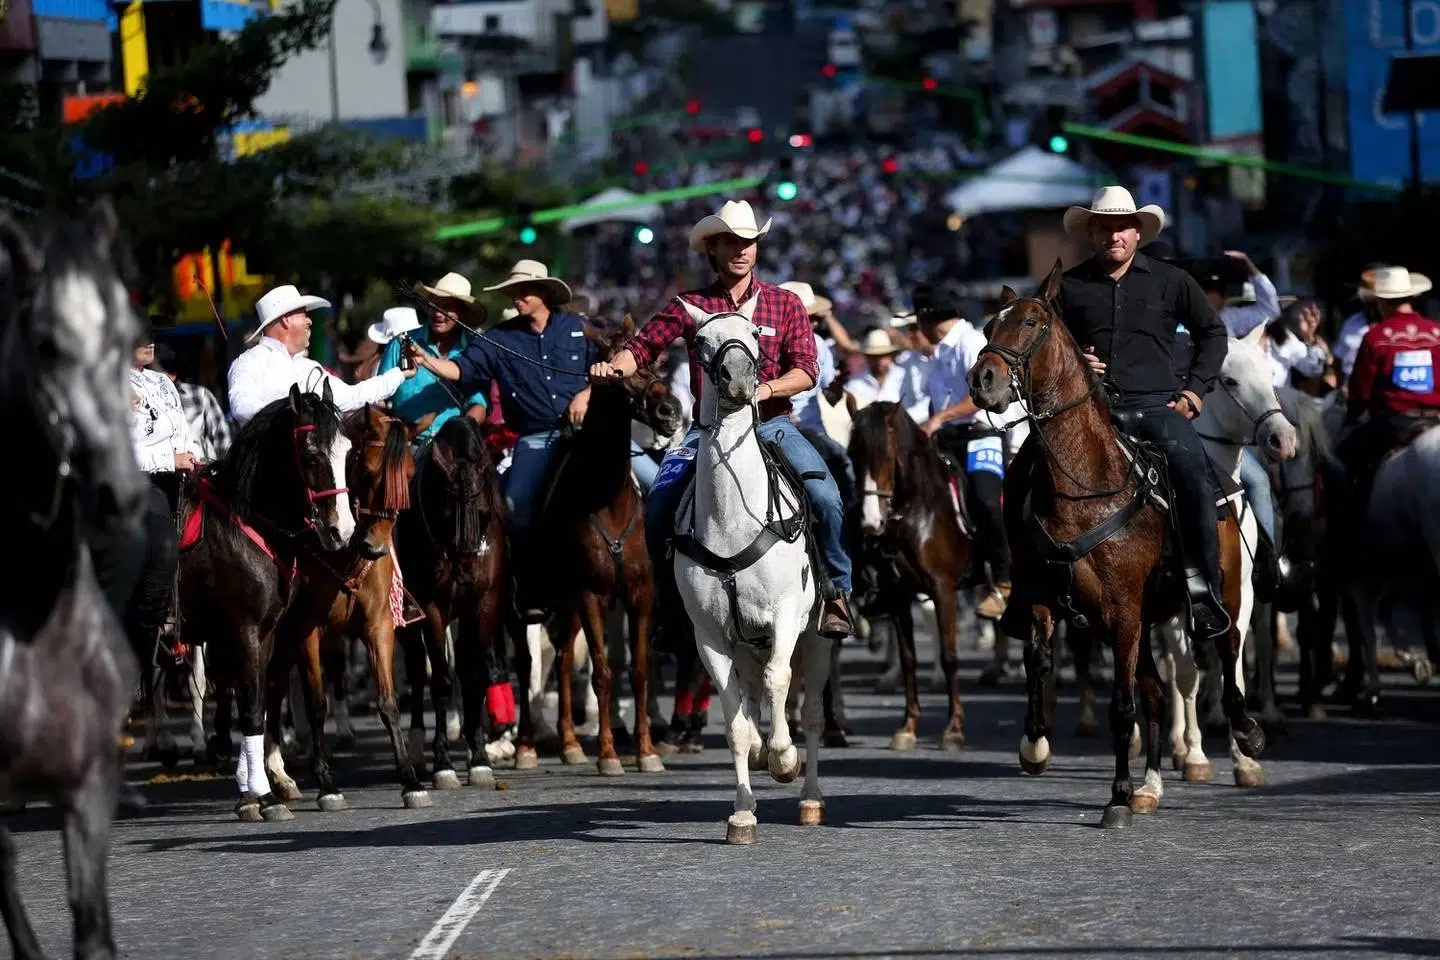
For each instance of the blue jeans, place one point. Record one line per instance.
(1257, 491)
(529, 469)
(824, 496)
(643, 467)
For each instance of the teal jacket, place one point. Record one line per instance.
(423, 394)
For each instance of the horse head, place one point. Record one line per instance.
(727, 347)
(69, 334)
(1243, 408)
(895, 465)
(380, 470)
(321, 450)
(651, 401)
(1030, 355)
(459, 492)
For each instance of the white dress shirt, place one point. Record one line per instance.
(266, 372)
(159, 428)
(1352, 331)
(948, 382)
(899, 387)
(1294, 354)
(917, 369)
(1241, 318)
(805, 410)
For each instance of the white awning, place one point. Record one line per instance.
(611, 205)
(1032, 179)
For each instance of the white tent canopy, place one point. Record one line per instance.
(625, 206)
(1032, 179)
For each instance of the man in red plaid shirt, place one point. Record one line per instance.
(788, 366)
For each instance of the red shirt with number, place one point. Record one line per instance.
(1396, 367)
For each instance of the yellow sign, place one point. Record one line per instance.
(252, 142)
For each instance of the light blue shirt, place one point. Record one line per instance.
(423, 394)
(806, 409)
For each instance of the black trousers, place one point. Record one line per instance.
(983, 490)
(149, 602)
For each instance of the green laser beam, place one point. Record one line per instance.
(1223, 156)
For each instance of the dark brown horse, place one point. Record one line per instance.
(912, 536)
(1104, 552)
(592, 520)
(279, 490)
(451, 544)
(348, 594)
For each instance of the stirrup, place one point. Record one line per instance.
(1208, 616)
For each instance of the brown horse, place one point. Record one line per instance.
(592, 519)
(910, 529)
(451, 544)
(1095, 551)
(344, 594)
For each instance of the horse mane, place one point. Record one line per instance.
(240, 474)
(474, 468)
(919, 474)
(396, 448)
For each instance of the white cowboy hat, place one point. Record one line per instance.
(509, 313)
(1114, 202)
(814, 306)
(452, 286)
(393, 322)
(877, 343)
(735, 217)
(281, 302)
(535, 272)
(903, 320)
(1392, 283)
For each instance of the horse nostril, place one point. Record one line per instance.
(987, 377)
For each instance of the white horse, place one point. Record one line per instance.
(1242, 410)
(751, 617)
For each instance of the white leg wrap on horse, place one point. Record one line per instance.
(1036, 752)
(242, 771)
(259, 783)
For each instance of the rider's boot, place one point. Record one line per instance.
(835, 620)
(1208, 618)
(992, 604)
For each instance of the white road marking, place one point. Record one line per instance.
(449, 927)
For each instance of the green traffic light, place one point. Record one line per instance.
(527, 234)
(1059, 144)
(786, 190)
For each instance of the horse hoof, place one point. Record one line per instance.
(740, 834)
(785, 765)
(416, 800)
(1177, 759)
(812, 813)
(694, 745)
(1250, 738)
(446, 780)
(526, 759)
(903, 740)
(651, 763)
(1115, 817)
(835, 738)
(481, 777)
(1143, 803)
(276, 813)
(952, 740)
(248, 810)
(287, 790)
(1034, 755)
(332, 802)
(666, 749)
(1087, 728)
(1033, 768)
(1197, 772)
(345, 743)
(573, 756)
(610, 767)
(1250, 775)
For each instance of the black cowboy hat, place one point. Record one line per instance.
(933, 304)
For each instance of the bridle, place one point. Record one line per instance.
(1018, 362)
(713, 365)
(1255, 422)
(382, 512)
(312, 496)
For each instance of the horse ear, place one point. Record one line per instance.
(295, 398)
(24, 258)
(594, 336)
(1006, 294)
(327, 394)
(1050, 288)
(627, 326)
(850, 403)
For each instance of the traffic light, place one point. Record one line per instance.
(644, 234)
(801, 140)
(1058, 143)
(527, 234)
(1049, 130)
(641, 168)
(755, 135)
(930, 83)
(829, 71)
(692, 107)
(890, 166)
(784, 180)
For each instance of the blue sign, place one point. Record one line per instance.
(987, 454)
(1414, 371)
(1380, 142)
(676, 465)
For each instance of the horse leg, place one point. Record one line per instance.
(341, 686)
(256, 801)
(639, 611)
(453, 725)
(304, 740)
(903, 625)
(1262, 628)
(1185, 737)
(999, 663)
(1082, 648)
(947, 618)
(1147, 798)
(277, 682)
(570, 750)
(542, 660)
(196, 688)
(816, 659)
(617, 633)
(739, 730)
(526, 757)
(1128, 636)
(442, 692)
(1366, 605)
(889, 681)
(159, 742)
(314, 705)
(22, 935)
(593, 610)
(784, 759)
(380, 642)
(88, 817)
(412, 638)
(837, 727)
(585, 673)
(1035, 743)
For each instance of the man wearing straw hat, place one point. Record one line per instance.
(1394, 376)
(788, 367)
(266, 372)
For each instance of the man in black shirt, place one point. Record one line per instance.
(1124, 309)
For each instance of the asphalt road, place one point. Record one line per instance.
(924, 854)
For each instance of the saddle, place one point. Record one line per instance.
(192, 529)
(955, 475)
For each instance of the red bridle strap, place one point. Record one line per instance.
(312, 495)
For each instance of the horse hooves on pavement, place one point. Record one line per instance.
(1249, 775)
(666, 749)
(952, 740)
(332, 802)
(1115, 817)
(446, 780)
(248, 809)
(1198, 772)
(739, 833)
(526, 759)
(903, 740)
(1143, 803)
(1033, 768)
(276, 813)
(288, 790)
(573, 756)
(1250, 738)
(812, 813)
(481, 777)
(416, 800)
(651, 763)
(610, 767)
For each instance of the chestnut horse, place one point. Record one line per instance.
(1094, 516)
(592, 519)
(451, 543)
(911, 529)
(348, 593)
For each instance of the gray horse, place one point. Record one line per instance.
(67, 672)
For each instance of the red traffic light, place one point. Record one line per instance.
(755, 135)
(929, 83)
(890, 165)
(642, 168)
(801, 140)
(829, 70)
(692, 107)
